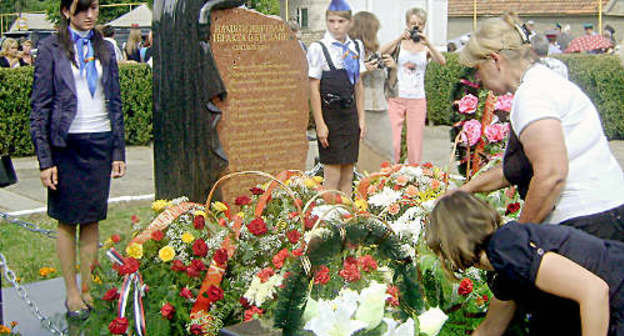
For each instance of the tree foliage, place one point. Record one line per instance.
(271, 7)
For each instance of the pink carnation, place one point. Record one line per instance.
(496, 132)
(471, 132)
(503, 103)
(468, 104)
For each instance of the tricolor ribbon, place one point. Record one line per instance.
(130, 280)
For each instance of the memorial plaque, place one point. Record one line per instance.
(265, 114)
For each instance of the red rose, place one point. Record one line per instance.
(118, 326)
(111, 294)
(186, 293)
(265, 274)
(310, 221)
(200, 248)
(157, 235)
(214, 293)
(116, 238)
(350, 261)
(135, 219)
(293, 214)
(244, 302)
(252, 313)
(192, 272)
(256, 191)
(130, 266)
(178, 266)
(367, 263)
(465, 287)
(322, 275)
(485, 298)
(350, 273)
(199, 222)
(298, 252)
(220, 256)
(196, 329)
(167, 311)
(257, 226)
(242, 200)
(293, 236)
(512, 208)
(198, 265)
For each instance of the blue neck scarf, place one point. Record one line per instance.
(86, 61)
(351, 61)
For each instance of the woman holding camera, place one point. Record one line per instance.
(406, 85)
(365, 28)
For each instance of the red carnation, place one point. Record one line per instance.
(293, 236)
(512, 208)
(393, 300)
(214, 293)
(199, 222)
(220, 256)
(350, 261)
(178, 266)
(244, 302)
(367, 263)
(310, 221)
(111, 294)
(242, 200)
(196, 329)
(256, 191)
(167, 311)
(257, 226)
(298, 252)
(135, 219)
(186, 293)
(118, 326)
(200, 248)
(293, 214)
(485, 298)
(130, 266)
(465, 287)
(265, 274)
(322, 275)
(198, 265)
(252, 313)
(116, 238)
(350, 273)
(280, 257)
(157, 235)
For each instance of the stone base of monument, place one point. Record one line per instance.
(252, 328)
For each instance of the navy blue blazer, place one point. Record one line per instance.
(54, 101)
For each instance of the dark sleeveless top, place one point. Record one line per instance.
(516, 165)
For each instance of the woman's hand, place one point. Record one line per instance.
(49, 177)
(322, 133)
(119, 169)
(389, 61)
(371, 65)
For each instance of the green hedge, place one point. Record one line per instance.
(600, 76)
(15, 90)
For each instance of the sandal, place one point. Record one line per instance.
(80, 314)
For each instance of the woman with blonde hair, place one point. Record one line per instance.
(407, 102)
(9, 56)
(571, 282)
(26, 58)
(365, 27)
(133, 46)
(557, 155)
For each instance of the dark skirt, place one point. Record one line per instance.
(84, 169)
(605, 225)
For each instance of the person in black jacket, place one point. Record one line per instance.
(77, 128)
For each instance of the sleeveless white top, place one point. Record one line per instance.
(411, 74)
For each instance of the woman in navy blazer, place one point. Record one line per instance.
(78, 131)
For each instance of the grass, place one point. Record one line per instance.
(28, 252)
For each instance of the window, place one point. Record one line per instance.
(302, 17)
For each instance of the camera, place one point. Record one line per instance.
(378, 58)
(414, 34)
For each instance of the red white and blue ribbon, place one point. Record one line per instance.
(134, 280)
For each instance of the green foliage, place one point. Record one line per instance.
(601, 77)
(291, 302)
(16, 88)
(106, 13)
(270, 7)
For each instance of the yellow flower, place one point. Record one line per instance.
(188, 237)
(199, 213)
(159, 205)
(97, 280)
(346, 200)
(361, 204)
(241, 214)
(309, 182)
(4, 329)
(45, 271)
(318, 179)
(135, 250)
(166, 253)
(219, 206)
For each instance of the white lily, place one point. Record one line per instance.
(334, 320)
(432, 321)
(396, 329)
(372, 303)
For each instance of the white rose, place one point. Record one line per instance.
(432, 321)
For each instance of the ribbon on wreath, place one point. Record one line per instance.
(131, 281)
(163, 220)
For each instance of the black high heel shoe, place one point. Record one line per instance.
(80, 314)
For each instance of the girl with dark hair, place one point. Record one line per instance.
(570, 282)
(77, 128)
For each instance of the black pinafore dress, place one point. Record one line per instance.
(342, 122)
